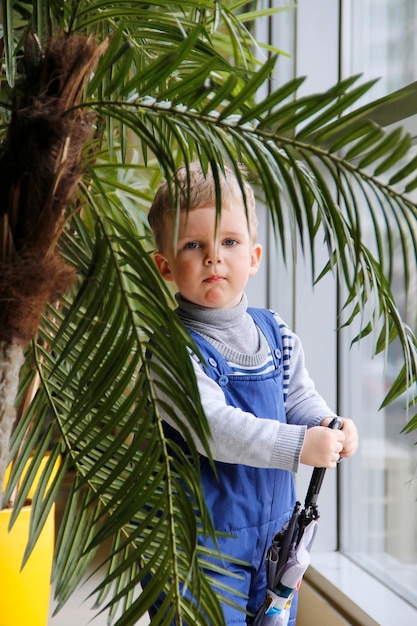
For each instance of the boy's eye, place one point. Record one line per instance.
(191, 245)
(229, 242)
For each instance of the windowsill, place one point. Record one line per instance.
(356, 594)
(358, 597)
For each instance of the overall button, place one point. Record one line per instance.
(223, 380)
(278, 353)
(212, 361)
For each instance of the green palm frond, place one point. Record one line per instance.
(287, 165)
(139, 499)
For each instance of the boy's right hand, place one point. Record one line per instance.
(322, 447)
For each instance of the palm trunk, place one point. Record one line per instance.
(41, 165)
(11, 361)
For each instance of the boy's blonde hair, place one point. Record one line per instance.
(196, 192)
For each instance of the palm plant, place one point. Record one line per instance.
(171, 82)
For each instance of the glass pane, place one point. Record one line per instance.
(380, 42)
(379, 484)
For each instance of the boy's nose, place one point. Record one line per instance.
(213, 256)
(213, 259)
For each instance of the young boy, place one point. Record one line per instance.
(264, 413)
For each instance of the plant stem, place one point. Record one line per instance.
(11, 361)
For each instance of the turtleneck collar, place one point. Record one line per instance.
(219, 318)
(231, 331)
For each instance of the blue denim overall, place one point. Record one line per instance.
(249, 504)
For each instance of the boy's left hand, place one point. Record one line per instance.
(351, 436)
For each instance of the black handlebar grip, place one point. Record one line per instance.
(318, 472)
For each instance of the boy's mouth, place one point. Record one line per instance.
(213, 279)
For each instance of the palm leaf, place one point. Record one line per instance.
(125, 490)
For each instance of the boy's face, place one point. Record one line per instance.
(210, 267)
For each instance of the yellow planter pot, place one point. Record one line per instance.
(25, 593)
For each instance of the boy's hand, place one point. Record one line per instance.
(350, 431)
(322, 447)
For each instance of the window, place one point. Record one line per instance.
(379, 522)
(378, 488)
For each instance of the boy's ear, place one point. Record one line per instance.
(255, 259)
(163, 266)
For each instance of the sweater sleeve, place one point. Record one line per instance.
(240, 437)
(303, 403)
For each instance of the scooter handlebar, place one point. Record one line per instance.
(318, 472)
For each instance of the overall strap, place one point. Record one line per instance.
(265, 320)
